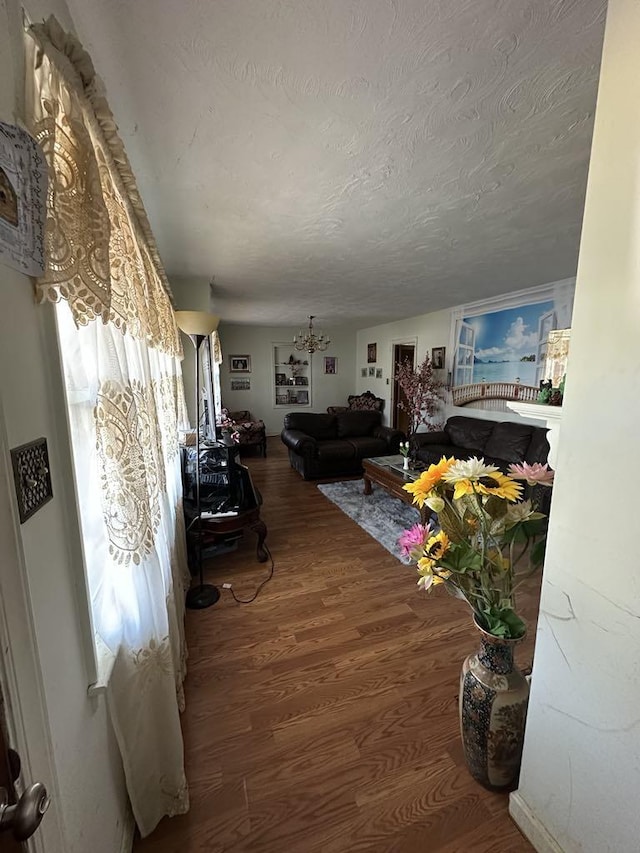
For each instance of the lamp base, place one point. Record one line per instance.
(201, 596)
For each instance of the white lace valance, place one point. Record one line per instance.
(101, 254)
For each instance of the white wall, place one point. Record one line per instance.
(190, 294)
(92, 799)
(257, 341)
(425, 331)
(580, 782)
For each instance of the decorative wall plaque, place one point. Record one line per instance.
(32, 478)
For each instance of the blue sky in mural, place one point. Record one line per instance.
(504, 338)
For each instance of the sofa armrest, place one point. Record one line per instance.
(421, 439)
(299, 441)
(393, 437)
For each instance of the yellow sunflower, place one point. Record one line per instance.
(501, 486)
(426, 482)
(437, 546)
(497, 484)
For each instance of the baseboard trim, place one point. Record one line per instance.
(127, 834)
(529, 824)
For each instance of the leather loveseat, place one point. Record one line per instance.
(335, 444)
(499, 442)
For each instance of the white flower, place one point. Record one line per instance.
(469, 469)
(425, 582)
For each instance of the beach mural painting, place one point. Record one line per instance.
(500, 354)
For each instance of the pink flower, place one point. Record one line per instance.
(414, 538)
(535, 474)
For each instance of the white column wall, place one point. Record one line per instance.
(580, 782)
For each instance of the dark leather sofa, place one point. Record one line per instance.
(335, 444)
(499, 442)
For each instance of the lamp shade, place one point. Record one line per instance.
(197, 322)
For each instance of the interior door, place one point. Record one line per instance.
(25, 722)
(7, 772)
(400, 418)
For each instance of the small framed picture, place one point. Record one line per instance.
(372, 371)
(281, 379)
(303, 398)
(437, 357)
(378, 373)
(363, 372)
(282, 399)
(372, 353)
(239, 364)
(330, 364)
(240, 384)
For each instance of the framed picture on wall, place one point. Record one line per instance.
(330, 364)
(239, 364)
(372, 371)
(240, 384)
(372, 353)
(363, 372)
(437, 357)
(378, 373)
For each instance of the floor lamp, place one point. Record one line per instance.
(198, 325)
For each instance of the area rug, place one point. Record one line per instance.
(381, 515)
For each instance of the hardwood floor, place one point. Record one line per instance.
(323, 716)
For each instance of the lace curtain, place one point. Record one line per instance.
(121, 350)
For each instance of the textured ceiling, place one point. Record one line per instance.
(360, 161)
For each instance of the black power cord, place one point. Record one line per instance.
(260, 586)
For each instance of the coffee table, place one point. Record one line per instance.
(388, 472)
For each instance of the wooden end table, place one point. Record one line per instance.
(388, 473)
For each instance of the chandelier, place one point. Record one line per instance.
(310, 341)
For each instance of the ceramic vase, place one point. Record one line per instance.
(405, 463)
(493, 707)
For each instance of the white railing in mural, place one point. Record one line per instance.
(463, 394)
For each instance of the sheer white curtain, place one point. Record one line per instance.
(121, 351)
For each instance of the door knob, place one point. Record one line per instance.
(25, 816)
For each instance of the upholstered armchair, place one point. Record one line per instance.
(250, 431)
(366, 402)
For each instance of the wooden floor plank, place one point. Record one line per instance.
(322, 718)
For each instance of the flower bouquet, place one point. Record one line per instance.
(486, 531)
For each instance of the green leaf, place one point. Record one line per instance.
(502, 622)
(496, 507)
(460, 558)
(452, 525)
(538, 551)
(536, 526)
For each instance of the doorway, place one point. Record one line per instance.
(9, 773)
(24, 721)
(400, 418)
